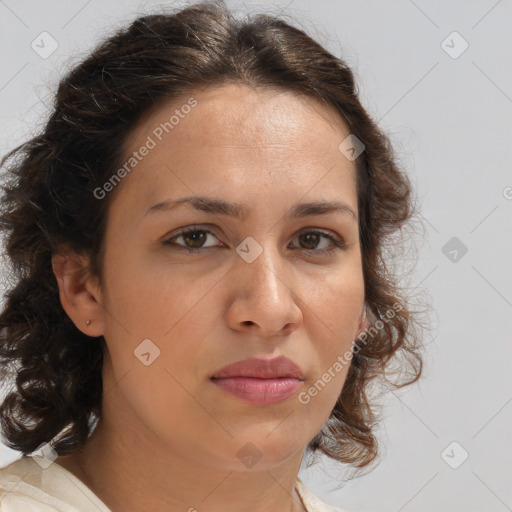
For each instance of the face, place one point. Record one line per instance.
(181, 306)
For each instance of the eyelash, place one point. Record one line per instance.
(336, 244)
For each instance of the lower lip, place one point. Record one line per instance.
(259, 391)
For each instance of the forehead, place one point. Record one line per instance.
(233, 112)
(231, 138)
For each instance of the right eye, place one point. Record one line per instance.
(196, 235)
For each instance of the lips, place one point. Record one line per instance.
(278, 367)
(260, 381)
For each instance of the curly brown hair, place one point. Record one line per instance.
(49, 203)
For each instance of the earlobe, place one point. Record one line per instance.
(79, 292)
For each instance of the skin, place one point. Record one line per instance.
(168, 438)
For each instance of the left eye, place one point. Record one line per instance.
(198, 237)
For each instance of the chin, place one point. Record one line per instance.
(262, 453)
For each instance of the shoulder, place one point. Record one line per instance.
(312, 502)
(35, 484)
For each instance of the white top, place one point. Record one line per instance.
(35, 484)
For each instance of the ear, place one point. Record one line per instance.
(79, 292)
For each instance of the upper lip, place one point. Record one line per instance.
(277, 367)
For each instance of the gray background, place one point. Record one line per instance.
(449, 117)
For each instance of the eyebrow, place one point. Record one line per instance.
(238, 211)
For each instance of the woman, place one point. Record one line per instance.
(200, 296)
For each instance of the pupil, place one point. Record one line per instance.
(309, 236)
(193, 235)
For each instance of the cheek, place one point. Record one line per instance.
(146, 322)
(150, 300)
(334, 324)
(336, 305)
(160, 319)
(153, 338)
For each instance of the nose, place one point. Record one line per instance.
(262, 299)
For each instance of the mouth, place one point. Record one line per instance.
(260, 381)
